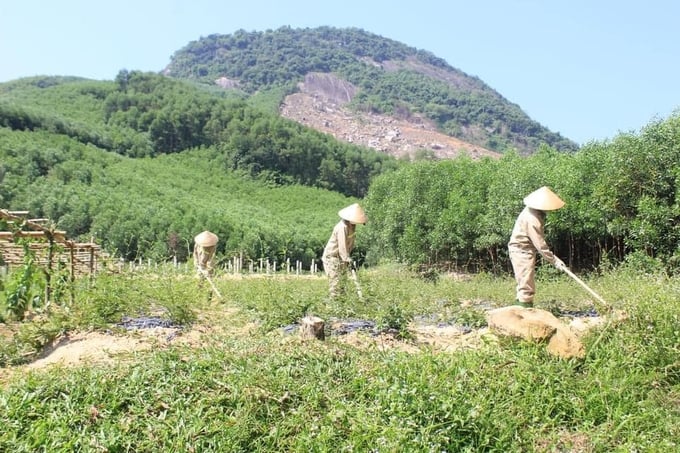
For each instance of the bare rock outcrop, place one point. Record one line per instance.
(322, 105)
(537, 325)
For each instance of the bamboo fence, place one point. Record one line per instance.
(54, 252)
(234, 265)
(51, 248)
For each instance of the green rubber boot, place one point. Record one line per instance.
(524, 304)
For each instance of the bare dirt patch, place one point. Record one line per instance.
(432, 338)
(321, 105)
(6, 331)
(89, 348)
(97, 347)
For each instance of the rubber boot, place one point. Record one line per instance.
(524, 304)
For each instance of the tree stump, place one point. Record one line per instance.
(312, 327)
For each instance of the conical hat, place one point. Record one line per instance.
(543, 199)
(353, 213)
(206, 239)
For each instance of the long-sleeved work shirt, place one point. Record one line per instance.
(341, 242)
(528, 236)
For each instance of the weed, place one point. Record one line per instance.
(472, 318)
(25, 288)
(259, 392)
(395, 319)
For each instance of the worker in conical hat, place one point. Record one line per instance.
(528, 239)
(205, 244)
(337, 253)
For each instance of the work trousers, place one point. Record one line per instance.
(337, 272)
(204, 260)
(524, 267)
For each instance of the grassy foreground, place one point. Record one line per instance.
(247, 386)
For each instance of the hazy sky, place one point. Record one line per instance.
(588, 69)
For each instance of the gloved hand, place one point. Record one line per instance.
(559, 264)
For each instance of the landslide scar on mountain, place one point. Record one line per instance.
(322, 105)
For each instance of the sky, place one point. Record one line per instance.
(588, 69)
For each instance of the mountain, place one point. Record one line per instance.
(365, 89)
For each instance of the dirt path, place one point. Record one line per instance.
(88, 348)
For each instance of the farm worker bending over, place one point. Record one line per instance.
(204, 253)
(527, 238)
(336, 256)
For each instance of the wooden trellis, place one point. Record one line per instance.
(50, 246)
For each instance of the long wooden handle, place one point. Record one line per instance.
(587, 288)
(356, 283)
(212, 285)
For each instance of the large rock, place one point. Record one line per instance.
(536, 325)
(565, 343)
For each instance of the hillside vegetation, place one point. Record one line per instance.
(144, 163)
(621, 204)
(389, 77)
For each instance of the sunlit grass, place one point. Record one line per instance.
(256, 389)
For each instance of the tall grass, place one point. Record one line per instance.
(267, 391)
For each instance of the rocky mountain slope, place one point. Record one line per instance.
(322, 104)
(366, 89)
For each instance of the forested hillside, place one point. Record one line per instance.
(148, 115)
(621, 204)
(145, 162)
(389, 77)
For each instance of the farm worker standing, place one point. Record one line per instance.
(527, 239)
(336, 255)
(204, 253)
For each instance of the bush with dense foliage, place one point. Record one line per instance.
(621, 199)
(145, 163)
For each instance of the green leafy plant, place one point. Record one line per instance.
(395, 319)
(472, 318)
(25, 287)
(244, 389)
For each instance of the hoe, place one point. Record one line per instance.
(587, 288)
